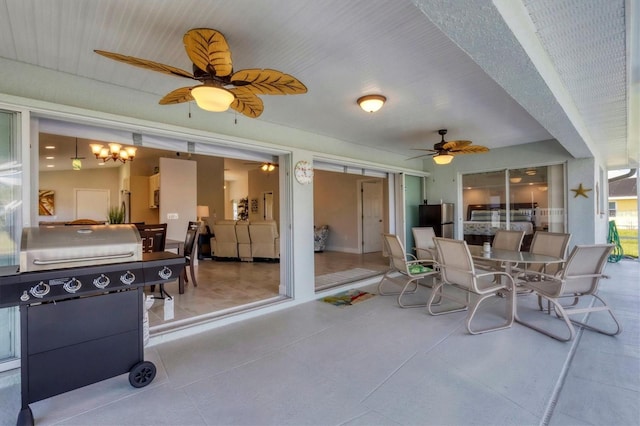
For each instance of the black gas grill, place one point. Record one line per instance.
(80, 292)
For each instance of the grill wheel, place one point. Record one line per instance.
(142, 374)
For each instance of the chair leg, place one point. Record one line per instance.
(193, 275)
(438, 291)
(414, 305)
(563, 316)
(387, 277)
(606, 308)
(508, 313)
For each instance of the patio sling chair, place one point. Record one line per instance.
(423, 239)
(457, 270)
(410, 270)
(503, 240)
(579, 278)
(548, 243)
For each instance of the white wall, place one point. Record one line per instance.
(178, 195)
(64, 183)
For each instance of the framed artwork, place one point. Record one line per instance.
(46, 202)
(254, 205)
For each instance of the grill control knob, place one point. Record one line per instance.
(127, 278)
(40, 290)
(25, 296)
(165, 273)
(102, 281)
(72, 285)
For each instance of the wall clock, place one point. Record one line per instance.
(303, 172)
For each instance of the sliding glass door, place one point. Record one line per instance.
(527, 199)
(10, 224)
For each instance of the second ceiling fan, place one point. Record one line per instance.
(444, 151)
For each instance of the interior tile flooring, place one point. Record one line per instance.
(225, 286)
(374, 363)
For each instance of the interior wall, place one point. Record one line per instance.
(236, 190)
(260, 182)
(335, 198)
(210, 176)
(178, 195)
(64, 182)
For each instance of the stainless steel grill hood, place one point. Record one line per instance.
(56, 247)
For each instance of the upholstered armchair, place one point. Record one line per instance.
(244, 240)
(225, 242)
(320, 235)
(265, 241)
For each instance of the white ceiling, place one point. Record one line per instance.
(500, 73)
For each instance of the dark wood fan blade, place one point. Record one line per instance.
(423, 155)
(247, 102)
(455, 145)
(177, 96)
(268, 82)
(146, 64)
(209, 51)
(473, 149)
(424, 149)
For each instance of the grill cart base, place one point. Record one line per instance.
(77, 342)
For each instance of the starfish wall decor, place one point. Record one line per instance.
(581, 191)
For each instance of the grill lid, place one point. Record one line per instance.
(55, 247)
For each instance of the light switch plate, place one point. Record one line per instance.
(172, 216)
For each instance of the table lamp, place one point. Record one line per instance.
(201, 212)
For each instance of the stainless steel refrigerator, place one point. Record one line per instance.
(438, 216)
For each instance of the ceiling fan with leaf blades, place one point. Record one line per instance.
(265, 166)
(221, 87)
(444, 151)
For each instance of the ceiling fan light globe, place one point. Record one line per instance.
(442, 159)
(371, 103)
(211, 98)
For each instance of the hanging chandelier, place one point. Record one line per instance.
(114, 152)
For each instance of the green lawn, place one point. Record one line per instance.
(629, 241)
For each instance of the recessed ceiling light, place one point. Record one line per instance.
(101, 164)
(49, 147)
(49, 158)
(50, 165)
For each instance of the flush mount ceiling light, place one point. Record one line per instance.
(212, 98)
(442, 159)
(515, 179)
(371, 103)
(531, 172)
(114, 152)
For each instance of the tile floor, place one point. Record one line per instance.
(226, 285)
(373, 364)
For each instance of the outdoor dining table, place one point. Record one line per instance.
(509, 258)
